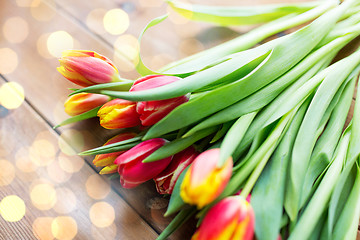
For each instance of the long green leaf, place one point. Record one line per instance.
(268, 194)
(208, 57)
(299, 44)
(306, 138)
(321, 197)
(328, 140)
(86, 115)
(115, 86)
(235, 15)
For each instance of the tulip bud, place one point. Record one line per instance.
(83, 102)
(205, 181)
(165, 181)
(118, 113)
(153, 111)
(107, 159)
(86, 68)
(231, 218)
(109, 169)
(133, 171)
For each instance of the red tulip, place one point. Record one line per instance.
(86, 68)
(83, 102)
(118, 113)
(205, 181)
(107, 159)
(230, 219)
(153, 111)
(165, 181)
(131, 168)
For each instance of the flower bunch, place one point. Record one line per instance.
(266, 120)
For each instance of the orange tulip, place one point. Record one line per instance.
(83, 102)
(118, 113)
(86, 68)
(205, 181)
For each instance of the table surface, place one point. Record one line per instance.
(56, 193)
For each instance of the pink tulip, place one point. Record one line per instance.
(153, 111)
(118, 113)
(82, 102)
(165, 181)
(205, 181)
(131, 168)
(86, 68)
(230, 219)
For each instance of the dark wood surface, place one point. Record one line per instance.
(52, 192)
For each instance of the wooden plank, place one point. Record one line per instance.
(46, 90)
(62, 194)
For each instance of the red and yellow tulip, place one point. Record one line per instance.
(230, 219)
(131, 168)
(205, 181)
(107, 160)
(153, 111)
(166, 180)
(82, 102)
(118, 113)
(86, 68)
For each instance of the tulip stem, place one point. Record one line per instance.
(179, 220)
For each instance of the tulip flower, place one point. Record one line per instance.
(153, 111)
(205, 181)
(131, 168)
(108, 159)
(230, 219)
(165, 181)
(86, 68)
(83, 102)
(118, 113)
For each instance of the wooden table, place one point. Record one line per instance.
(46, 190)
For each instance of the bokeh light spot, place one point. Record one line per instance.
(57, 174)
(7, 173)
(12, 208)
(64, 228)
(43, 196)
(94, 20)
(24, 3)
(126, 48)
(116, 21)
(41, 46)
(59, 41)
(8, 60)
(71, 141)
(15, 29)
(42, 228)
(42, 152)
(42, 11)
(96, 187)
(66, 201)
(70, 165)
(102, 214)
(23, 161)
(11, 95)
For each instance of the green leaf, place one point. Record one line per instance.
(326, 144)
(109, 148)
(234, 136)
(321, 197)
(299, 44)
(268, 195)
(86, 115)
(346, 226)
(305, 141)
(141, 67)
(209, 57)
(238, 15)
(223, 130)
(178, 145)
(114, 86)
(176, 203)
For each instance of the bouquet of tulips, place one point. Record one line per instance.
(248, 139)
